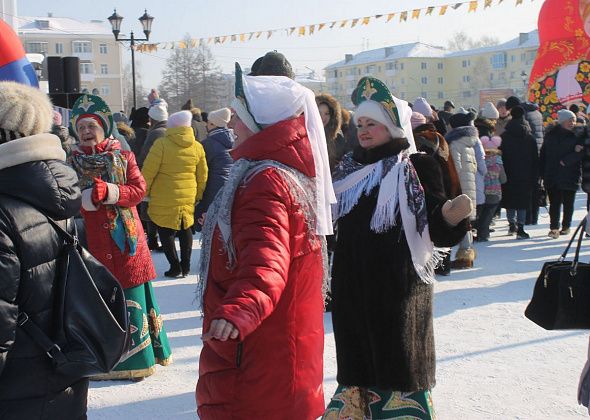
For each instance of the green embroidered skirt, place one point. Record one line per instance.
(347, 404)
(149, 343)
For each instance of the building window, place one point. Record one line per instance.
(466, 78)
(439, 66)
(424, 80)
(59, 48)
(105, 90)
(467, 94)
(532, 55)
(440, 80)
(104, 69)
(512, 58)
(36, 47)
(403, 81)
(499, 60)
(523, 57)
(389, 66)
(466, 63)
(335, 73)
(491, 76)
(80, 47)
(103, 48)
(423, 66)
(441, 95)
(86, 68)
(340, 74)
(401, 66)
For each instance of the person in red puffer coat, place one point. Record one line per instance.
(262, 262)
(112, 186)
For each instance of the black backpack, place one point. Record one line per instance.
(90, 314)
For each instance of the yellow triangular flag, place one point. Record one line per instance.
(242, 37)
(473, 6)
(429, 10)
(354, 22)
(443, 9)
(182, 45)
(415, 13)
(311, 29)
(321, 26)
(302, 31)
(403, 16)
(343, 23)
(366, 20)
(390, 16)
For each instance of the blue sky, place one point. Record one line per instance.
(174, 18)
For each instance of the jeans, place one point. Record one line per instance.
(485, 218)
(557, 198)
(516, 216)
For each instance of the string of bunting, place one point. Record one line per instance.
(403, 16)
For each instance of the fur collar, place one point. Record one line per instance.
(457, 133)
(43, 146)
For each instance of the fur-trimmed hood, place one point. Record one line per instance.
(460, 132)
(333, 127)
(30, 149)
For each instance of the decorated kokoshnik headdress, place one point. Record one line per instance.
(266, 100)
(374, 100)
(92, 106)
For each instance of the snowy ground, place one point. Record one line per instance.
(492, 363)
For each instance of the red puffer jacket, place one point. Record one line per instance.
(134, 270)
(273, 296)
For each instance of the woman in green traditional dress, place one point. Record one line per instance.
(112, 185)
(391, 212)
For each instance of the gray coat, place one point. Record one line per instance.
(155, 132)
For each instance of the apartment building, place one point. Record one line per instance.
(418, 69)
(92, 42)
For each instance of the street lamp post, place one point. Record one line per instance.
(525, 78)
(146, 22)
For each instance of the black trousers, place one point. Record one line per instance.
(558, 198)
(485, 218)
(185, 237)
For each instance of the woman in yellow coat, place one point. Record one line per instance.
(175, 171)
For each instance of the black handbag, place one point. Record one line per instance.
(561, 298)
(90, 314)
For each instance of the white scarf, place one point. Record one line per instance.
(272, 99)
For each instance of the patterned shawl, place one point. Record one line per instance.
(400, 193)
(110, 165)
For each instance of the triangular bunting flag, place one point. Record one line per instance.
(390, 16)
(234, 38)
(269, 34)
(242, 37)
(343, 23)
(366, 20)
(457, 5)
(302, 31)
(473, 6)
(311, 29)
(488, 3)
(415, 13)
(518, 2)
(443, 9)
(429, 10)
(321, 26)
(403, 16)
(354, 22)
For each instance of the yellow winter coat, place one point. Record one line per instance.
(175, 171)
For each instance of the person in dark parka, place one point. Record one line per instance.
(521, 163)
(560, 168)
(217, 146)
(140, 123)
(35, 183)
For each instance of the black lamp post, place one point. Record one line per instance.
(525, 78)
(146, 22)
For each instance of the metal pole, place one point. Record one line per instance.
(133, 69)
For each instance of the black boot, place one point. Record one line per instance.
(174, 271)
(444, 268)
(512, 228)
(521, 234)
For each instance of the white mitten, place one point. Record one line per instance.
(457, 209)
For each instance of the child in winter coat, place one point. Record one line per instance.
(493, 181)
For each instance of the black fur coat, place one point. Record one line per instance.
(382, 311)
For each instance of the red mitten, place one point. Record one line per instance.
(99, 192)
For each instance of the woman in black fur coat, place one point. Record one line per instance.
(389, 223)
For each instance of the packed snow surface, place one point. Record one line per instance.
(492, 362)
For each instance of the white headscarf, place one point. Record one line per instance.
(272, 99)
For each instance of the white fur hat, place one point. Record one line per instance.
(159, 110)
(180, 119)
(219, 117)
(490, 111)
(375, 111)
(24, 111)
(422, 106)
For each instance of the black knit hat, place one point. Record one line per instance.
(517, 112)
(273, 63)
(511, 102)
(461, 119)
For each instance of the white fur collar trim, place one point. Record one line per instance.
(43, 146)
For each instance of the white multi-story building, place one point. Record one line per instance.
(92, 42)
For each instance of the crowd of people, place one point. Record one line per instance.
(299, 202)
